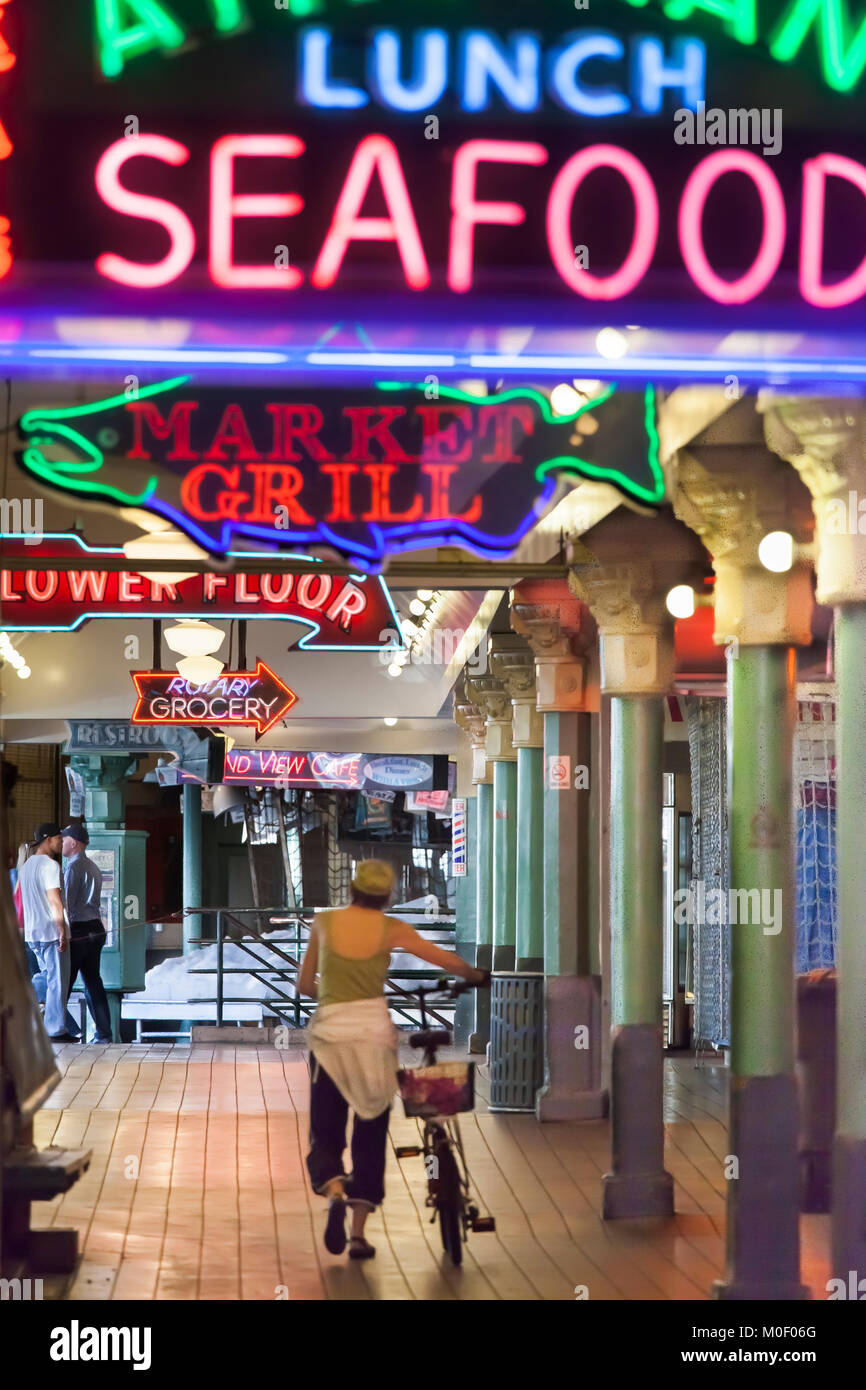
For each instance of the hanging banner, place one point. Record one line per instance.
(255, 697)
(342, 613)
(369, 471)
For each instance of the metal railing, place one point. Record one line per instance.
(292, 1008)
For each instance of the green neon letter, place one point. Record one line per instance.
(842, 67)
(228, 15)
(155, 28)
(738, 16)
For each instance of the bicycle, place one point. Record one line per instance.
(436, 1093)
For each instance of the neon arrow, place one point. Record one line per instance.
(257, 697)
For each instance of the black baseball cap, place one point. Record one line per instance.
(46, 831)
(76, 831)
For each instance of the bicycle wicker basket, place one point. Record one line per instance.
(446, 1088)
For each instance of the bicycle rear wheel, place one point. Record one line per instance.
(449, 1201)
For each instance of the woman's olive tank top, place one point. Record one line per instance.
(343, 979)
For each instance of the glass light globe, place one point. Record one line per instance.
(24, 672)
(425, 594)
(390, 721)
(163, 545)
(564, 399)
(776, 551)
(611, 343)
(395, 670)
(417, 606)
(193, 637)
(199, 669)
(680, 602)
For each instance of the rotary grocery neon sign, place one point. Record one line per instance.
(257, 697)
(367, 471)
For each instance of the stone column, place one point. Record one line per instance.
(559, 628)
(627, 598)
(472, 1016)
(515, 667)
(732, 493)
(825, 440)
(492, 696)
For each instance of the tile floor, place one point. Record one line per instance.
(198, 1190)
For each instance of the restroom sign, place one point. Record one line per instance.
(458, 837)
(257, 697)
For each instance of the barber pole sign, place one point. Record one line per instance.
(458, 837)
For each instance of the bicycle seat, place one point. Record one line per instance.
(430, 1037)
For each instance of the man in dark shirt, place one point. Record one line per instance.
(83, 885)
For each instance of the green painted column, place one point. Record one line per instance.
(573, 1026)
(483, 910)
(192, 876)
(637, 1184)
(529, 940)
(504, 864)
(763, 1198)
(849, 1145)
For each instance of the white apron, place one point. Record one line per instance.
(356, 1043)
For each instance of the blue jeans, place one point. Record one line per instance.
(54, 970)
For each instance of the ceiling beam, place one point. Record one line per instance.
(400, 574)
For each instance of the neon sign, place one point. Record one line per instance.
(375, 166)
(490, 70)
(369, 472)
(346, 614)
(255, 697)
(512, 65)
(346, 771)
(827, 22)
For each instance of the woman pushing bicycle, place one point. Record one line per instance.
(353, 1046)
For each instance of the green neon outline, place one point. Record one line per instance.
(841, 67)
(156, 29)
(229, 16)
(515, 393)
(568, 462)
(607, 475)
(56, 471)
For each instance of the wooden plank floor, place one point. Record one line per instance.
(198, 1190)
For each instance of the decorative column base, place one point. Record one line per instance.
(849, 1204)
(571, 1090)
(638, 1185)
(529, 965)
(763, 1234)
(479, 1039)
(503, 958)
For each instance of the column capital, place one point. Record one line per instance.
(732, 497)
(559, 629)
(471, 718)
(491, 696)
(825, 440)
(513, 663)
(630, 565)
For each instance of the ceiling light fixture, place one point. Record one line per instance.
(193, 637)
(199, 669)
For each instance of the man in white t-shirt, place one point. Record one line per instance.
(45, 927)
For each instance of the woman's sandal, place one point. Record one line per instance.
(361, 1249)
(335, 1231)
